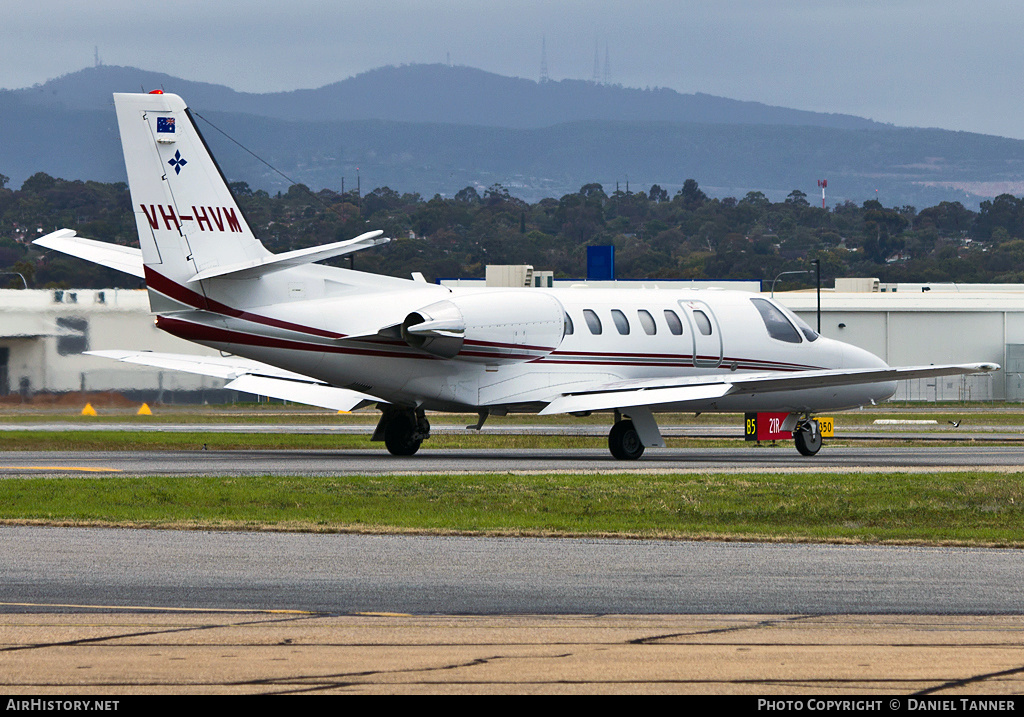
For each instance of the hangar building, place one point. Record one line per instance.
(43, 334)
(905, 328)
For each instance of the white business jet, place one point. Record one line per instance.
(341, 339)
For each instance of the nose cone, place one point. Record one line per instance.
(855, 357)
(836, 354)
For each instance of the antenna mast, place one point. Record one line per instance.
(543, 59)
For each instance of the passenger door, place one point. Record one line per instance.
(706, 333)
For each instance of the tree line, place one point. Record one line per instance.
(687, 235)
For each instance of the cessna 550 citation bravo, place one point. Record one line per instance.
(341, 339)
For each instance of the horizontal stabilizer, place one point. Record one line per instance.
(277, 262)
(113, 256)
(655, 392)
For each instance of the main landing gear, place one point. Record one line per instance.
(624, 441)
(632, 432)
(402, 429)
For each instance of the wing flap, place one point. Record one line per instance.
(309, 393)
(600, 401)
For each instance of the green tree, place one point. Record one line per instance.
(691, 196)
(798, 198)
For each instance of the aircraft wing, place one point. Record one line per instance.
(113, 256)
(623, 394)
(250, 377)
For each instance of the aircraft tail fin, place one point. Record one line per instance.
(187, 218)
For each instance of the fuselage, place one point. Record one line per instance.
(518, 348)
(339, 338)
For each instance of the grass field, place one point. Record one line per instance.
(979, 508)
(973, 508)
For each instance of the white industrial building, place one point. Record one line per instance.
(905, 328)
(43, 334)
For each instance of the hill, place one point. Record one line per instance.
(434, 94)
(436, 129)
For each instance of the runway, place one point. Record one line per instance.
(379, 462)
(888, 660)
(335, 573)
(135, 611)
(129, 612)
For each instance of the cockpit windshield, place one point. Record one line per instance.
(782, 324)
(806, 330)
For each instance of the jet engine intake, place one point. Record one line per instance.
(488, 327)
(438, 329)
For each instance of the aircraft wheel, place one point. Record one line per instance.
(399, 436)
(807, 438)
(624, 441)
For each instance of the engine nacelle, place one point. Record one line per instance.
(488, 327)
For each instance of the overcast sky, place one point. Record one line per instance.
(929, 63)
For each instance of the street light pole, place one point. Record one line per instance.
(15, 273)
(805, 271)
(817, 267)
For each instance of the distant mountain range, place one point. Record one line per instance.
(436, 129)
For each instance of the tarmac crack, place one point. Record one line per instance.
(722, 630)
(973, 680)
(339, 681)
(146, 633)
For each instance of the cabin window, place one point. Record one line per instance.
(674, 324)
(569, 329)
(621, 322)
(647, 321)
(779, 327)
(702, 321)
(593, 321)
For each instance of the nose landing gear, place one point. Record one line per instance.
(807, 437)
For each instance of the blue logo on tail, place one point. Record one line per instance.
(177, 162)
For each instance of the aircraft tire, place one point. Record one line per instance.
(624, 441)
(398, 437)
(808, 438)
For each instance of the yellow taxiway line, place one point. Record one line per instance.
(84, 469)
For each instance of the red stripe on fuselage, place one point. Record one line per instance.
(203, 333)
(199, 332)
(176, 291)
